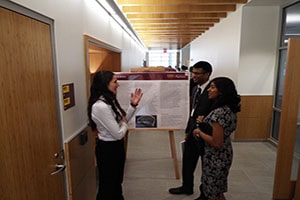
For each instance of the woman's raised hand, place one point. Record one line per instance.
(136, 97)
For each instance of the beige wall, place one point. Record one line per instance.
(254, 120)
(81, 167)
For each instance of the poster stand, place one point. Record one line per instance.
(172, 144)
(157, 80)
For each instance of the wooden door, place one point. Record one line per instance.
(283, 187)
(30, 141)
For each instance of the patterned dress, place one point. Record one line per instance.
(217, 162)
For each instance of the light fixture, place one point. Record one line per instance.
(114, 11)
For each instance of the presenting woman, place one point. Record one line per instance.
(110, 121)
(218, 149)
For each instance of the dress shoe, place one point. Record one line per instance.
(180, 190)
(201, 197)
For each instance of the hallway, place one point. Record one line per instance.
(149, 171)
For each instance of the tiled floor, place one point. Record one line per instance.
(149, 171)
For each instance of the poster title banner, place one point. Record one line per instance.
(152, 76)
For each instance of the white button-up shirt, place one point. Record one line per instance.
(105, 118)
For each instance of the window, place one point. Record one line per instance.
(163, 58)
(290, 28)
(291, 23)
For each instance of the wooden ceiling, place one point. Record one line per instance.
(172, 24)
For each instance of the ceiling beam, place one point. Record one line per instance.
(179, 26)
(160, 23)
(173, 21)
(176, 15)
(160, 2)
(179, 9)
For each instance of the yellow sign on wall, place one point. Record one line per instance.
(68, 95)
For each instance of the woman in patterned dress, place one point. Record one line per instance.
(218, 149)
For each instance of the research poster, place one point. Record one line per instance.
(165, 101)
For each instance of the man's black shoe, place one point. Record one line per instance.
(180, 190)
(201, 197)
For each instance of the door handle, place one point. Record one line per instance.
(59, 168)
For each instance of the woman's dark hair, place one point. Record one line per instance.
(99, 88)
(227, 94)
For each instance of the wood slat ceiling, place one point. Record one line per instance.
(172, 24)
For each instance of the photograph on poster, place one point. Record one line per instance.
(146, 121)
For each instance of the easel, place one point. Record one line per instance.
(170, 130)
(172, 144)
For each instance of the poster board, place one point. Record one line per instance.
(165, 101)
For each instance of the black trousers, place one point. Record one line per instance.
(111, 163)
(190, 159)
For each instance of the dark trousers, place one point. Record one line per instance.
(111, 162)
(190, 158)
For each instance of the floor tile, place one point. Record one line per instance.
(149, 171)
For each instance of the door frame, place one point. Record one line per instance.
(42, 18)
(91, 41)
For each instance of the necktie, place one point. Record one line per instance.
(196, 97)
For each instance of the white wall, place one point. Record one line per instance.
(220, 46)
(258, 52)
(73, 19)
(185, 56)
(98, 24)
(243, 46)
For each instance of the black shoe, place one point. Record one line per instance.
(201, 197)
(180, 190)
